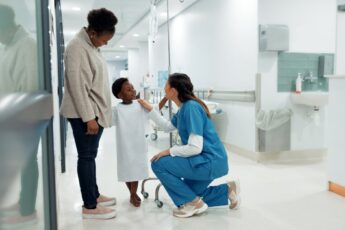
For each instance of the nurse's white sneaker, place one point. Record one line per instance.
(100, 212)
(234, 194)
(106, 201)
(191, 209)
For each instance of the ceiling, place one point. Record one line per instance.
(133, 16)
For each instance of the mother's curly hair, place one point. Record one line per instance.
(102, 21)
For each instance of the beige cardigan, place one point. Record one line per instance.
(87, 91)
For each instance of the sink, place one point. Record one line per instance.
(314, 99)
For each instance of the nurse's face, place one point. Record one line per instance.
(170, 93)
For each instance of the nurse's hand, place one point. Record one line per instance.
(161, 154)
(145, 104)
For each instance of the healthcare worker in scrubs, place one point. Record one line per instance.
(186, 171)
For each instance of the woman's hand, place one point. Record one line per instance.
(161, 154)
(92, 127)
(145, 104)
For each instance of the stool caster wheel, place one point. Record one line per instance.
(159, 203)
(145, 194)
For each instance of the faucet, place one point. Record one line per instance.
(309, 76)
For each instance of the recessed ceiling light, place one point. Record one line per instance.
(117, 57)
(135, 35)
(122, 46)
(76, 8)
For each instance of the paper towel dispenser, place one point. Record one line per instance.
(273, 37)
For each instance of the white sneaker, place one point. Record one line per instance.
(190, 209)
(234, 194)
(100, 212)
(106, 201)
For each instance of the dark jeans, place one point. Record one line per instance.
(87, 146)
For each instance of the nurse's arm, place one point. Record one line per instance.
(192, 148)
(161, 122)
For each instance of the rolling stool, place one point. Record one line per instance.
(146, 194)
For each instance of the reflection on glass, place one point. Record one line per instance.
(18, 70)
(19, 171)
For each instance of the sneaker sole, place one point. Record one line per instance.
(202, 209)
(106, 216)
(196, 212)
(237, 191)
(107, 203)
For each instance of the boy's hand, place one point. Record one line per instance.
(161, 154)
(145, 104)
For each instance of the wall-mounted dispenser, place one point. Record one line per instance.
(273, 37)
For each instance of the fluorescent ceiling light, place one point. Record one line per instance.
(135, 35)
(117, 57)
(76, 8)
(164, 14)
(122, 46)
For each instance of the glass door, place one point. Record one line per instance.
(27, 174)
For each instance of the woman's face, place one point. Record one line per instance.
(170, 93)
(102, 39)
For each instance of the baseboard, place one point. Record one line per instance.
(299, 156)
(336, 188)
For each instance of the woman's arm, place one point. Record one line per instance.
(162, 103)
(193, 147)
(163, 123)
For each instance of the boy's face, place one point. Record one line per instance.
(127, 92)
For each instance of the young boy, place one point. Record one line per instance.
(131, 119)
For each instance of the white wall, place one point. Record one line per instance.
(158, 55)
(336, 123)
(340, 56)
(336, 132)
(114, 69)
(312, 29)
(216, 46)
(138, 64)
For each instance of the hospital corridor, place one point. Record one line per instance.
(274, 196)
(172, 114)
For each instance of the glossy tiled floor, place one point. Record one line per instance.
(274, 196)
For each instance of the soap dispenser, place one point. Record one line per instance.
(299, 83)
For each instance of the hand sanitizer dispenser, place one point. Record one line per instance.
(299, 83)
(273, 38)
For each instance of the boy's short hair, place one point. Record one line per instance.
(117, 86)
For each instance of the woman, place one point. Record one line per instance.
(87, 106)
(186, 171)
